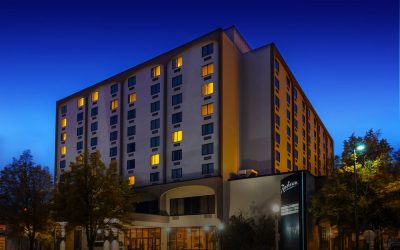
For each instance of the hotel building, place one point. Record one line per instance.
(184, 123)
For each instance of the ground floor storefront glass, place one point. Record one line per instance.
(191, 238)
(143, 239)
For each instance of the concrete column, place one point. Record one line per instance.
(63, 234)
(106, 245)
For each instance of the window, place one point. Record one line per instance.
(277, 156)
(288, 83)
(276, 64)
(295, 123)
(277, 120)
(288, 131)
(207, 109)
(276, 83)
(114, 104)
(93, 141)
(288, 114)
(79, 117)
(79, 145)
(131, 114)
(64, 109)
(177, 62)
(276, 101)
(207, 89)
(207, 149)
(154, 141)
(155, 124)
(288, 98)
(296, 139)
(113, 120)
(176, 173)
(296, 154)
(295, 93)
(177, 155)
(277, 138)
(95, 96)
(63, 122)
(79, 131)
(130, 164)
(81, 102)
(155, 89)
(192, 205)
(176, 99)
(155, 71)
(62, 164)
(289, 164)
(289, 148)
(114, 136)
(114, 88)
(155, 106)
(113, 151)
(63, 137)
(207, 168)
(155, 159)
(154, 177)
(207, 69)
(177, 118)
(63, 150)
(132, 98)
(207, 50)
(295, 107)
(303, 119)
(94, 111)
(177, 136)
(131, 180)
(176, 81)
(93, 126)
(131, 81)
(207, 129)
(131, 130)
(130, 148)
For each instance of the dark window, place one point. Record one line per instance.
(288, 98)
(177, 173)
(154, 141)
(94, 111)
(93, 141)
(295, 108)
(295, 93)
(114, 136)
(64, 109)
(288, 114)
(154, 176)
(277, 156)
(113, 120)
(276, 64)
(296, 139)
(79, 131)
(277, 138)
(289, 164)
(276, 83)
(113, 151)
(288, 82)
(207, 149)
(114, 88)
(295, 123)
(277, 120)
(207, 50)
(207, 129)
(277, 101)
(207, 168)
(79, 117)
(176, 99)
(289, 148)
(177, 155)
(155, 124)
(132, 81)
(155, 89)
(131, 114)
(131, 130)
(130, 148)
(177, 118)
(93, 126)
(130, 164)
(192, 205)
(176, 81)
(303, 118)
(296, 154)
(79, 145)
(62, 164)
(155, 106)
(288, 131)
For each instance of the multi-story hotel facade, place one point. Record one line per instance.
(184, 123)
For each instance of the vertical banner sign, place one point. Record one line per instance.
(290, 212)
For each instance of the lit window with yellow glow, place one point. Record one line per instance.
(155, 159)
(81, 102)
(95, 96)
(156, 71)
(114, 104)
(63, 150)
(63, 136)
(207, 89)
(131, 180)
(64, 122)
(177, 136)
(207, 109)
(132, 98)
(207, 69)
(177, 62)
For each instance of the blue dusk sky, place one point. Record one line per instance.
(343, 53)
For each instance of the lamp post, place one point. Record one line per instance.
(360, 147)
(276, 209)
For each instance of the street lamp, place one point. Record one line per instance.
(275, 210)
(358, 148)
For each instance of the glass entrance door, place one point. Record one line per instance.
(143, 239)
(191, 238)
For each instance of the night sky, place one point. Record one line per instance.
(343, 53)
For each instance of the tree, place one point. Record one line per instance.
(91, 195)
(25, 192)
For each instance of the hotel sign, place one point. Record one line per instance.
(288, 186)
